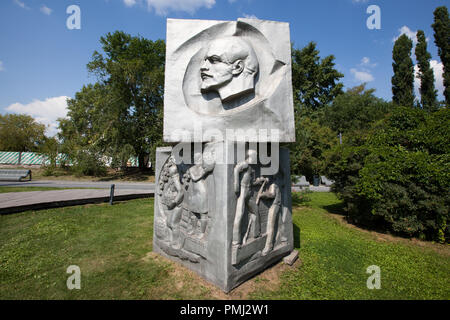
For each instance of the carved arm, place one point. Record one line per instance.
(237, 170)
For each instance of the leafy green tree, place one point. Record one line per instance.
(90, 120)
(313, 140)
(315, 84)
(87, 132)
(314, 80)
(20, 132)
(50, 148)
(428, 93)
(441, 28)
(354, 110)
(124, 108)
(403, 78)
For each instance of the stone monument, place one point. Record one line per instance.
(222, 200)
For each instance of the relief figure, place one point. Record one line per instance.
(229, 68)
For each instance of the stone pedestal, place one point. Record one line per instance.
(224, 211)
(215, 217)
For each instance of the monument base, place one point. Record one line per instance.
(226, 220)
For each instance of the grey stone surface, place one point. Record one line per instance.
(302, 182)
(226, 224)
(228, 75)
(311, 188)
(222, 210)
(14, 175)
(326, 181)
(291, 258)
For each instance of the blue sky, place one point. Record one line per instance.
(42, 62)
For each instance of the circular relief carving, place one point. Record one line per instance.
(230, 70)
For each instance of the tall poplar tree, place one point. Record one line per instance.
(441, 28)
(403, 79)
(428, 92)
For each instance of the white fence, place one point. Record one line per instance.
(34, 158)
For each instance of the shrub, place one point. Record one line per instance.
(301, 198)
(88, 164)
(48, 171)
(397, 178)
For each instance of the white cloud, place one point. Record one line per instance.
(365, 62)
(129, 3)
(46, 10)
(250, 16)
(360, 1)
(361, 76)
(438, 71)
(1, 66)
(409, 33)
(21, 4)
(46, 112)
(362, 73)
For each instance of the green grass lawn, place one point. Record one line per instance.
(335, 258)
(112, 247)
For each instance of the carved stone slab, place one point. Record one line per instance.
(227, 75)
(239, 223)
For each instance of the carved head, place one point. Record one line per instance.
(229, 67)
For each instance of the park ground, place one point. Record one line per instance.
(112, 245)
(129, 175)
(4, 189)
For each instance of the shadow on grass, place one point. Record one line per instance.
(336, 208)
(375, 224)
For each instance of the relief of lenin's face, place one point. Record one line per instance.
(229, 68)
(216, 70)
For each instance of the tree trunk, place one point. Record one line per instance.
(143, 161)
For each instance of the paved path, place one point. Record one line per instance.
(22, 201)
(118, 185)
(80, 184)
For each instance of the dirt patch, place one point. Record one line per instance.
(268, 280)
(442, 249)
(184, 278)
(98, 264)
